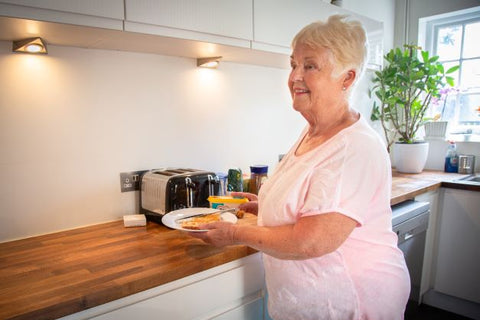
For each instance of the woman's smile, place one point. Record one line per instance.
(300, 91)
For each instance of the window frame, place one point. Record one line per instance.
(428, 33)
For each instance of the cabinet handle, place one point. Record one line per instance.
(408, 235)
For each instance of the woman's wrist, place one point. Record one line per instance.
(235, 231)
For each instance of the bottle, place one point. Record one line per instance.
(451, 158)
(258, 175)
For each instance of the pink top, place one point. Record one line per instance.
(366, 277)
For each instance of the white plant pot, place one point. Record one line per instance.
(410, 157)
(435, 129)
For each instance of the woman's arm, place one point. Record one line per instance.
(310, 237)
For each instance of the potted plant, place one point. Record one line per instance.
(436, 127)
(405, 88)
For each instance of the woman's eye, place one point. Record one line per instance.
(309, 67)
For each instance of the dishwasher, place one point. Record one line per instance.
(410, 223)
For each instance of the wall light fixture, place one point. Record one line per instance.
(31, 45)
(210, 62)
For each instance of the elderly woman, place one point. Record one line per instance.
(324, 217)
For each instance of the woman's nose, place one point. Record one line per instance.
(296, 75)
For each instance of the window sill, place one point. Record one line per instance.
(457, 138)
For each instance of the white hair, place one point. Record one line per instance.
(346, 39)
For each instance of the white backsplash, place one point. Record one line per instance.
(438, 149)
(72, 120)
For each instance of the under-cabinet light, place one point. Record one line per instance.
(211, 62)
(31, 45)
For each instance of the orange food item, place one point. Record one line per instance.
(194, 223)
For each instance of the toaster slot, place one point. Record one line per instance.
(212, 181)
(190, 188)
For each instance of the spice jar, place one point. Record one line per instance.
(258, 175)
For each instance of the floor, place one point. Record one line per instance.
(425, 312)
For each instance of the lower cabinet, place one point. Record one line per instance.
(231, 291)
(458, 259)
(455, 281)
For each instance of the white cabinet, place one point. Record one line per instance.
(102, 14)
(276, 22)
(227, 22)
(187, 28)
(458, 258)
(233, 290)
(428, 257)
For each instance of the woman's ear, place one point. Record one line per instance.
(349, 78)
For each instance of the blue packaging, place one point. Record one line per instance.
(451, 159)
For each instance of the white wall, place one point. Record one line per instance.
(71, 121)
(438, 149)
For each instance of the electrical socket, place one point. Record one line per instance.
(130, 181)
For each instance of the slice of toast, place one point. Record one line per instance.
(194, 223)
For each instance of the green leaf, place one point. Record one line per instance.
(453, 69)
(450, 81)
(375, 112)
(425, 56)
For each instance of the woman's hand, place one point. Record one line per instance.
(251, 206)
(219, 234)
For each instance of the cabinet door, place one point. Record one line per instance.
(250, 311)
(103, 14)
(458, 260)
(232, 291)
(104, 8)
(276, 22)
(226, 18)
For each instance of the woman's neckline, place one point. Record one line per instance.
(322, 142)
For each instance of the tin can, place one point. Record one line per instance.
(235, 180)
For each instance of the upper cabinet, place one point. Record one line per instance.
(227, 22)
(276, 22)
(187, 28)
(93, 13)
(275, 29)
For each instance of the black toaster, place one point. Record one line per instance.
(165, 190)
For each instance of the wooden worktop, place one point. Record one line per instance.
(53, 275)
(408, 185)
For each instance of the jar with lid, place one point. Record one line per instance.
(222, 181)
(258, 175)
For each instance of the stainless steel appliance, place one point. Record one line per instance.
(410, 222)
(164, 190)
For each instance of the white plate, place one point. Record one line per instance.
(170, 218)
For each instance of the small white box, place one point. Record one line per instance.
(134, 220)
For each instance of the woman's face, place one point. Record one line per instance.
(312, 86)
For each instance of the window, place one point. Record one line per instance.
(453, 37)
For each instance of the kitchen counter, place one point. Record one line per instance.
(53, 275)
(408, 185)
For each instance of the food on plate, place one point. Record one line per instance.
(194, 223)
(239, 214)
